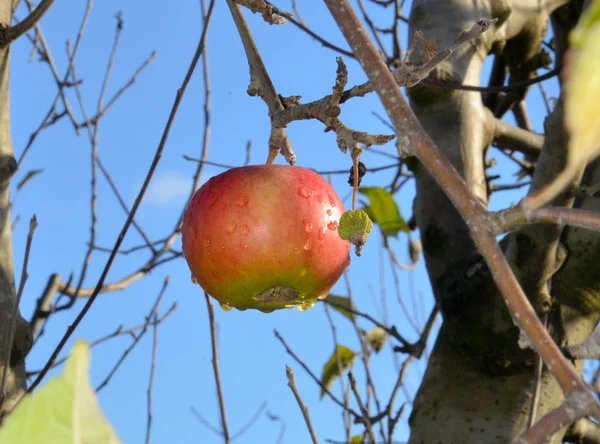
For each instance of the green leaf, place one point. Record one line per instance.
(384, 210)
(356, 439)
(342, 304)
(331, 371)
(65, 410)
(582, 92)
(376, 338)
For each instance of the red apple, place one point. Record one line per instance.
(265, 237)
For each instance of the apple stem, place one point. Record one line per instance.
(356, 152)
(273, 152)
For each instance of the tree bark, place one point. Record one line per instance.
(478, 384)
(15, 382)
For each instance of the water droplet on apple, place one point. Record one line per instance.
(331, 200)
(226, 307)
(296, 250)
(246, 247)
(321, 234)
(194, 279)
(308, 226)
(244, 230)
(319, 198)
(332, 225)
(231, 227)
(241, 201)
(255, 220)
(308, 244)
(305, 306)
(328, 212)
(304, 192)
(206, 243)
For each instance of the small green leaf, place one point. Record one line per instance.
(65, 410)
(355, 226)
(376, 338)
(357, 439)
(384, 210)
(341, 304)
(331, 370)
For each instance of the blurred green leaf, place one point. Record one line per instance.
(357, 439)
(342, 304)
(384, 211)
(376, 338)
(65, 410)
(331, 371)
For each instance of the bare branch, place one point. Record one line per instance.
(303, 408)
(10, 337)
(136, 204)
(216, 371)
(14, 32)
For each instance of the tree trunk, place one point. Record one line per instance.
(15, 381)
(478, 384)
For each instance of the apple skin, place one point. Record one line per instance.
(265, 237)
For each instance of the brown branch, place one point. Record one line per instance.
(511, 219)
(314, 378)
(415, 141)
(10, 336)
(14, 32)
(120, 331)
(588, 349)
(151, 379)
(215, 365)
(137, 338)
(575, 407)
(157, 157)
(303, 408)
(278, 140)
(365, 413)
(510, 137)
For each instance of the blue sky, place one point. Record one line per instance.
(252, 360)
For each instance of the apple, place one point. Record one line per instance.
(265, 237)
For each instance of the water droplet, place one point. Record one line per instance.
(348, 246)
(194, 279)
(296, 250)
(212, 198)
(245, 247)
(231, 227)
(331, 200)
(308, 226)
(241, 201)
(274, 258)
(319, 198)
(226, 307)
(255, 220)
(304, 192)
(206, 243)
(328, 212)
(332, 225)
(321, 234)
(305, 306)
(308, 244)
(244, 230)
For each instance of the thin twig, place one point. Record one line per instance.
(10, 335)
(365, 413)
(303, 408)
(216, 371)
(137, 338)
(151, 380)
(313, 377)
(157, 157)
